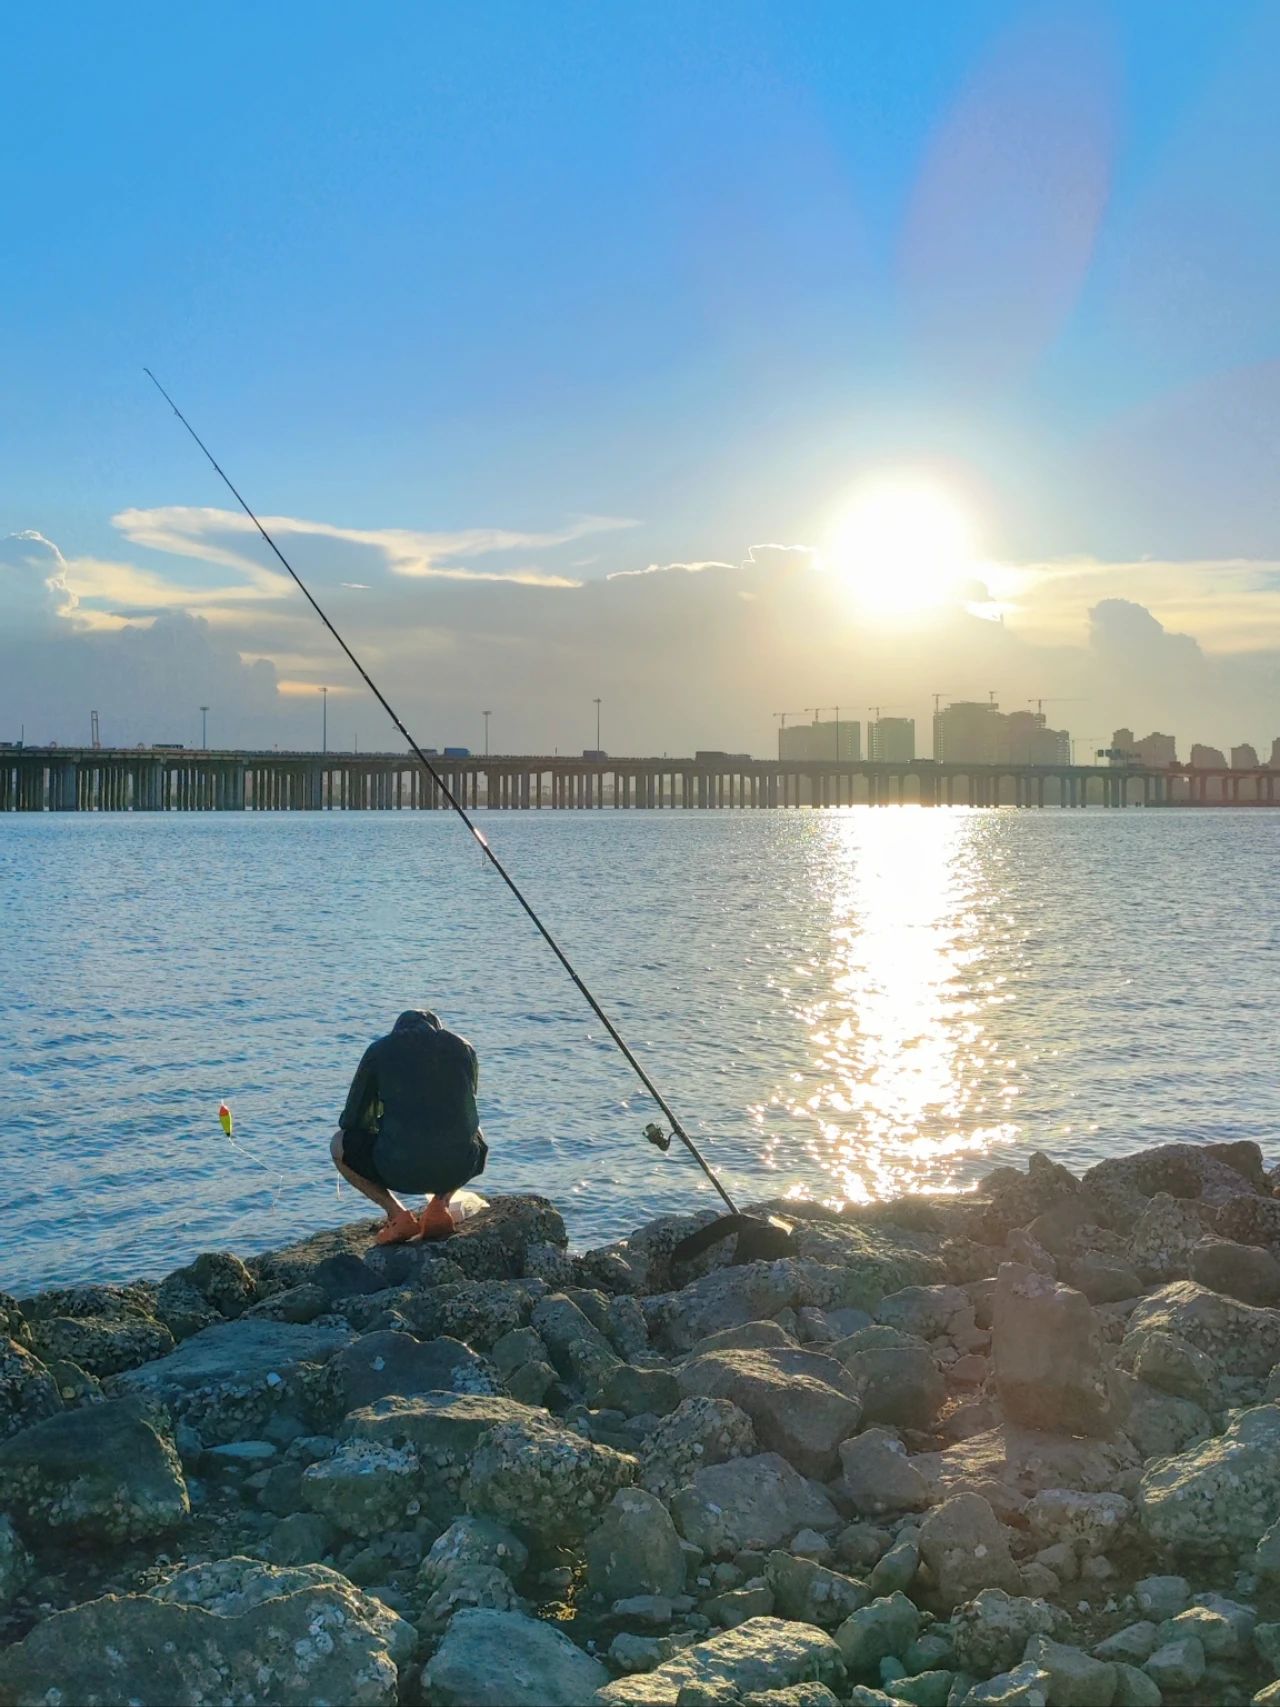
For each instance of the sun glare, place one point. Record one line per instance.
(903, 546)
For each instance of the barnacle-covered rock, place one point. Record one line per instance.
(539, 1476)
(107, 1472)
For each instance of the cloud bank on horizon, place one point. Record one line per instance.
(684, 654)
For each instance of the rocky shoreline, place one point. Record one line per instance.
(1016, 1447)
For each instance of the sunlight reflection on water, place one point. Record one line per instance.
(897, 1037)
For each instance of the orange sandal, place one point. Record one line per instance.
(400, 1228)
(435, 1222)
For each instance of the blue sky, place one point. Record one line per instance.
(491, 270)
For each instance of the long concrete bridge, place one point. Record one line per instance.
(155, 779)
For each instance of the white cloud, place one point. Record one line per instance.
(213, 535)
(33, 578)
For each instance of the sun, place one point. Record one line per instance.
(903, 545)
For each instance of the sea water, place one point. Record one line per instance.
(840, 1004)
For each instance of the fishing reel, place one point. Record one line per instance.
(657, 1137)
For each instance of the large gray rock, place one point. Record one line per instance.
(1157, 1423)
(1088, 1523)
(383, 1363)
(1016, 1198)
(1251, 1220)
(1048, 1355)
(882, 1247)
(1177, 1666)
(750, 1336)
(541, 1477)
(967, 1549)
(1173, 1365)
(469, 1586)
(730, 1298)
(634, 1549)
(228, 1381)
(1023, 1685)
(1240, 1337)
(104, 1345)
(930, 1312)
(490, 1245)
(1221, 1495)
(440, 1433)
(884, 1629)
(894, 1376)
(1166, 1233)
(698, 1433)
(367, 1488)
(221, 1280)
(580, 1352)
(762, 1654)
(1075, 1679)
(857, 1267)
(235, 1585)
(811, 1593)
(507, 1659)
(103, 1473)
(314, 1644)
(470, 1542)
(990, 1632)
(28, 1392)
(1248, 1273)
(755, 1502)
(799, 1402)
(877, 1477)
(641, 1392)
(1121, 1184)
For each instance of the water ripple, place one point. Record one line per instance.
(841, 1004)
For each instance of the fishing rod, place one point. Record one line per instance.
(743, 1223)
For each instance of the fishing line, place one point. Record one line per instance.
(227, 1121)
(652, 1133)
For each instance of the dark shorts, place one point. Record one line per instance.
(442, 1175)
(357, 1153)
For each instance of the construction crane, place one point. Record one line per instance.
(879, 708)
(782, 716)
(1055, 699)
(95, 740)
(939, 696)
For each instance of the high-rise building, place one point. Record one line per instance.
(829, 740)
(1207, 758)
(971, 732)
(891, 740)
(966, 733)
(1275, 754)
(1154, 750)
(1024, 738)
(1244, 757)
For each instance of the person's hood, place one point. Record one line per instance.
(417, 1019)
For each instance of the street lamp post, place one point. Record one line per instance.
(596, 703)
(324, 720)
(487, 716)
(204, 727)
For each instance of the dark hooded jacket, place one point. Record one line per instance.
(415, 1089)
